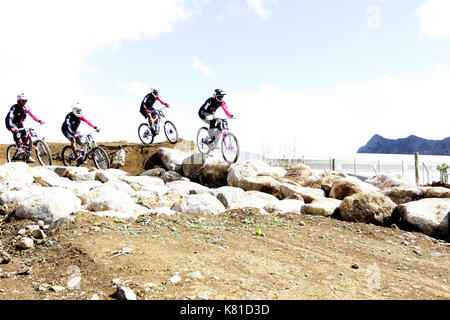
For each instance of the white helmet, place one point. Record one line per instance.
(22, 96)
(76, 109)
(155, 91)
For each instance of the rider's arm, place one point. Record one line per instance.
(34, 117)
(225, 109)
(88, 122)
(10, 118)
(162, 102)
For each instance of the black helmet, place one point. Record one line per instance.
(218, 94)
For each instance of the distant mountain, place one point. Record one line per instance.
(409, 145)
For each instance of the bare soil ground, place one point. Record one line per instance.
(235, 255)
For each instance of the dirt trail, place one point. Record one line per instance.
(234, 255)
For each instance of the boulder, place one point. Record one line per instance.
(307, 194)
(390, 179)
(186, 187)
(201, 203)
(229, 196)
(155, 172)
(169, 176)
(109, 174)
(53, 205)
(403, 193)
(436, 192)
(119, 158)
(107, 197)
(172, 159)
(15, 174)
(48, 178)
(429, 215)
(142, 182)
(284, 206)
(372, 207)
(76, 173)
(324, 207)
(301, 173)
(348, 186)
(211, 169)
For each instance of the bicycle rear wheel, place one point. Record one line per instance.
(230, 148)
(145, 134)
(202, 137)
(11, 153)
(43, 153)
(101, 159)
(68, 157)
(171, 132)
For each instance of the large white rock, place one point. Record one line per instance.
(186, 187)
(252, 168)
(139, 183)
(323, 207)
(390, 179)
(76, 173)
(307, 194)
(52, 205)
(284, 206)
(119, 158)
(348, 186)
(109, 174)
(172, 159)
(229, 196)
(201, 203)
(107, 197)
(429, 215)
(211, 169)
(48, 178)
(15, 174)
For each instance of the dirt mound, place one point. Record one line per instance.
(140, 157)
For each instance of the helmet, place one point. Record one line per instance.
(155, 92)
(218, 94)
(22, 97)
(76, 109)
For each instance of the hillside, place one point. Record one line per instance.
(237, 254)
(409, 145)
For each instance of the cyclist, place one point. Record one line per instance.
(70, 126)
(207, 110)
(14, 122)
(147, 107)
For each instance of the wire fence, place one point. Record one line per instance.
(367, 165)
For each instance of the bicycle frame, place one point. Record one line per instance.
(161, 117)
(223, 123)
(30, 135)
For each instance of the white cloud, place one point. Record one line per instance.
(44, 46)
(434, 19)
(196, 63)
(339, 121)
(263, 8)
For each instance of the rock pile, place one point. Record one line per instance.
(188, 183)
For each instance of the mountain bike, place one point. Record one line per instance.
(42, 150)
(229, 145)
(88, 150)
(146, 136)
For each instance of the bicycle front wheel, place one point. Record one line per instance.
(230, 148)
(170, 132)
(145, 134)
(11, 153)
(101, 159)
(43, 153)
(202, 138)
(68, 157)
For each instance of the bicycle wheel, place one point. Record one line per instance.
(68, 157)
(230, 148)
(101, 159)
(145, 135)
(43, 153)
(171, 132)
(11, 153)
(202, 137)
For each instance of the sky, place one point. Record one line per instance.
(303, 77)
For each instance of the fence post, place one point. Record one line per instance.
(333, 164)
(416, 166)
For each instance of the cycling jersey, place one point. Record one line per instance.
(148, 102)
(210, 107)
(16, 116)
(72, 122)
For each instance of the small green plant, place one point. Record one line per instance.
(260, 233)
(442, 168)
